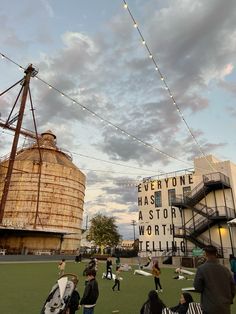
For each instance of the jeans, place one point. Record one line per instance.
(88, 310)
(157, 282)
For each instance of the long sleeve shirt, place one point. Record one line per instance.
(215, 283)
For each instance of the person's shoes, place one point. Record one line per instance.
(161, 290)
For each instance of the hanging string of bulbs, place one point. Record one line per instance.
(101, 118)
(164, 82)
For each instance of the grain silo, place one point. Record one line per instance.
(44, 207)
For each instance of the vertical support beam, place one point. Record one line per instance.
(173, 231)
(28, 73)
(230, 236)
(221, 243)
(233, 201)
(209, 229)
(226, 211)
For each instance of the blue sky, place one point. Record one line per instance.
(90, 51)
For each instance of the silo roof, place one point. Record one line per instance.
(49, 151)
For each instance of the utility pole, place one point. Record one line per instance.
(30, 71)
(134, 223)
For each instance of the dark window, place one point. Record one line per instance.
(158, 202)
(186, 190)
(171, 196)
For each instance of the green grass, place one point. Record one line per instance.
(25, 286)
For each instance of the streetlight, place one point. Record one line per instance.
(134, 223)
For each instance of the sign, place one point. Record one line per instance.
(197, 252)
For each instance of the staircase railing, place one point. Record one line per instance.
(207, 178)
(203, 209)
(208, 241)
(193, 225)
(216, 177)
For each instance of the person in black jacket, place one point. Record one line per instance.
(109, 267)
(91, 293)
(215, 283)
(184, 301)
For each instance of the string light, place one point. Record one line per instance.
(167, 87)
(108, 122)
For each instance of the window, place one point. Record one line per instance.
(186, 190)
(158, 202)
(171, 196)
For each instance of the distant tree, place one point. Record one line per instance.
(103, 231)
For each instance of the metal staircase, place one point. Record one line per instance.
(211, 182)
(204, 217)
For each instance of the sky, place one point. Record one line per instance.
(131, 126)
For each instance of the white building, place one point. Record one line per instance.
(187, 209)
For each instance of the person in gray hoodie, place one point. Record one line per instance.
(215, 283)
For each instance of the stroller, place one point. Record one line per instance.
(59, 297)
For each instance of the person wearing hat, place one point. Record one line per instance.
(215, 283)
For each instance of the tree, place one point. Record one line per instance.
(103, 231)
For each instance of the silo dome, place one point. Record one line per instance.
(45, 199)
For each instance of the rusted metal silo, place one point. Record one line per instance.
(44, 205)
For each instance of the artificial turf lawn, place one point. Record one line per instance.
(25, 286)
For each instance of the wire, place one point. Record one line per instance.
(164, 81)
(102, 119)
(117, 164)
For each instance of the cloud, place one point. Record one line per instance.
(9, 37)
(109, 72)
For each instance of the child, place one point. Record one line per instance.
(117, 280)
(61, 267)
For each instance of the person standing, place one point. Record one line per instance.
(61, 267)
(153, 305)
(156, 273)
(109, 267)
(117, 280)
(91, 293)
(78, 257)
(215, 283)
(117, 262)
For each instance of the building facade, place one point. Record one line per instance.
(188, 209)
